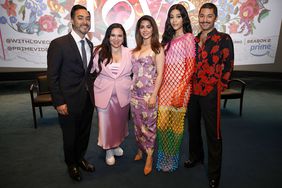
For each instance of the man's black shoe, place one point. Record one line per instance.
(85, 165)
(192, 163)
(74, 172)
(213, 183)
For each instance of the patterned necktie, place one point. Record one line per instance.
(83, 51)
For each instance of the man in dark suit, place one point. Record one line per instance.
(69, 63)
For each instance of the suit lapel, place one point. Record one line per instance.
(122, 62)
(108, 70)
(75, 48)
(77, 53)
(122, 65)
(90, 63)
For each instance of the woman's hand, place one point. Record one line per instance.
(152, 101)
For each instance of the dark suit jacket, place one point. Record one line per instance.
(66, 75)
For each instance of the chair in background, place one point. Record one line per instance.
(42, 96)
(235, 90)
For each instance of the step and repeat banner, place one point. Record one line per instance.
(28, 26)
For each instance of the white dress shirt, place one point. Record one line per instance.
(78, 43)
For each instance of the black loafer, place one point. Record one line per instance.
(213, 183)
(74, 172)
(86, 166)
(192, 163)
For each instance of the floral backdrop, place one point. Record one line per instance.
(28, 26)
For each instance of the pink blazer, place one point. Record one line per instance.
(107, 81)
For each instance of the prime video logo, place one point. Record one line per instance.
(260, 49)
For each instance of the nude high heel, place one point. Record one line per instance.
(148, 165)
(149, 162)
(138, 156)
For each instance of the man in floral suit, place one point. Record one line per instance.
(214, 64)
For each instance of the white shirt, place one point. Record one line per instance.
(78, 43)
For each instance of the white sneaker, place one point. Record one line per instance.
(110, 158)
(118, 151)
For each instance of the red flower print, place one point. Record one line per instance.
(249, 10)
(214, 49)
(211, 71)
(204, 79)
(10, 7)
(213, 80)
(218, 68)
(226, 76)
(208, 71)
(208, 88)
(225, 52)
(201, 74)
(204, 54)
(215, 58)
(205, 61)
(199, 64)
(47, 23)
(215, 38)
(206, 66)
(196, 87)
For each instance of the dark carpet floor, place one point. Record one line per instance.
(252, 146)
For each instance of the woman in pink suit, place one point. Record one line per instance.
(112, 60)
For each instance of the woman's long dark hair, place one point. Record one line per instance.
(169, 31)
(104, 49)
(155, 44)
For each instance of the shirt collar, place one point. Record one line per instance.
(76, 36)
(214, 31)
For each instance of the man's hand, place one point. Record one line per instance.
(62, 109)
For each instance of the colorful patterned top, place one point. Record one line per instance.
(173, 99)
(144, 76)
(215, 61)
